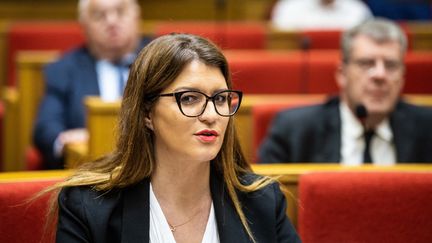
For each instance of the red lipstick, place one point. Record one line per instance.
(207, 136)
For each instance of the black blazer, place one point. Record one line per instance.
(122, 215)
(313, 134)
(68, 81)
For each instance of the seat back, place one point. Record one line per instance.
(28, 36)
(321, 66)
(321, 39)
(418, 74)
(23, 220)
(365, 207)
(232, 35)
(262, 117)
(266, 72)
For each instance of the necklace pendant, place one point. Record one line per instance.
(172, 228)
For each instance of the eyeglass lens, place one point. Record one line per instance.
(194, 103)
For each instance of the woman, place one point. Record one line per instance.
(177, 174)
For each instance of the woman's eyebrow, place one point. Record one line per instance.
(185, 88)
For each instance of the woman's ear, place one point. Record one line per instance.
(148, 123)
(340, 76)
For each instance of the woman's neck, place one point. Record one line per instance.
(181, 184)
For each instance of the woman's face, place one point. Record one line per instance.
(181, 138)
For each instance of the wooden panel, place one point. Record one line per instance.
(10, 121)
(41, 9)
(102, 125)
(23, 176)
(278, 39)
(30, 90)
(150, 9)
(76, 154)
(3, 31)
(421, 35)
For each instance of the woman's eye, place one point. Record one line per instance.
(189, 99)
(220, 99)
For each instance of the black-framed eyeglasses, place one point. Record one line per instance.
(194, 103)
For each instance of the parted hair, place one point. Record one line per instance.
(379, 30)
(133, 159)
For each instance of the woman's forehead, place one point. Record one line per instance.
(199, 76)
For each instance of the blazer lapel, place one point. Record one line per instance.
(330, 135)
(402, 127)
(88, 76)
(229, 225)
(136, 213)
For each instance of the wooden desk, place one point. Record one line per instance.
(102, 125)
(6, 177)
(21, 106)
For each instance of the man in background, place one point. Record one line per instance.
(319, 14)
(100, 67)
(368, 122)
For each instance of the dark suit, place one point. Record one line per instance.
(123, 215)
(313, 134)
(68, 81)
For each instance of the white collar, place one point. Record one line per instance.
(353, 127)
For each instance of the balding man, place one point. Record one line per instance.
(100, 67)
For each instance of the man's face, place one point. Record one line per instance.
(327, 3)
(373, 76)
(111, 25)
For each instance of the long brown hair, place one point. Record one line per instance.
(155, 68)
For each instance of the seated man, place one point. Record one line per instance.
(319, 14)
(99, 68)
(368, 122)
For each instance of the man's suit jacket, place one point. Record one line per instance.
(68, 82)
(313, 134)
(123, 215)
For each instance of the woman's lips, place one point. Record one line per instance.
(207, 136)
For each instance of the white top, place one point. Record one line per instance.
(310, 14)
(383, 151)
(108, 80)
(160, 230)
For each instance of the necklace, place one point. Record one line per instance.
(173, 228)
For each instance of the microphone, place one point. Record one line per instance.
(305, 45)
(361, 112)
(220, 4)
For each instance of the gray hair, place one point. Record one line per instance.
(379, 29)
(82, 5)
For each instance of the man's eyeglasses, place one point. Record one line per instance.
(368, 64)
(194, 103)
